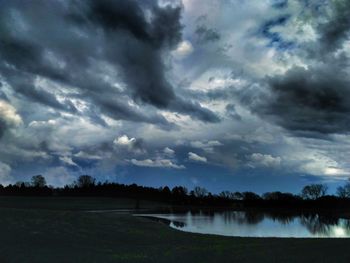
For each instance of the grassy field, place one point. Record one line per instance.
(60, 230)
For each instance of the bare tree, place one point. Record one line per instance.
(22, 184)
(38, 181)
(344, 191)
(200, 192)
(250, 196)
(237, 196)
(314, 191)
(226, 195)
(85, 181)
(179, 191)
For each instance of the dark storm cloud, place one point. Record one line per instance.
(26, 88)
(142, 43)
(195, 110)
(314, 102)
(118, 109)
(3, 127)
(205, 34)
(336, 30)
(232, 113)
(67, 41)
(280, 4)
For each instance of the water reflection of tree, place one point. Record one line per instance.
(247, 217)
(201, 216)
(347, 224)
(253, 218)
(319, 225)
(229, 217)
(178, 224)
(282, 218)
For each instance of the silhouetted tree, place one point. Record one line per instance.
(179, 191)
(87, 186)
(314, 191)
(200, 192)
(237, 196)
(22, 184)
(272, 196)
(250, 196)
(166, 191)
(226, 195)
(38, 181)
(85, 181)
(344, 191)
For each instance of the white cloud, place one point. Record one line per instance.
(9, 115)
(165, 163)
(335, 171)
(319, 158)
(124, 141)
(5, 171)
(323, 166)
(132, 145)
(85, 155)
(195, 157)
(266, 160)
(206, 146)
(168, 151)
(184, 49)
(67, 160)
(63, 133)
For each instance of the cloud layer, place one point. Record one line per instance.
(210, 92)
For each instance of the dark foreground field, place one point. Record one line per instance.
(59, 230)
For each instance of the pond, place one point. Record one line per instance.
(253, 224)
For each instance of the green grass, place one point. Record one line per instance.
(57, 230)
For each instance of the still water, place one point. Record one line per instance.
(249, 224)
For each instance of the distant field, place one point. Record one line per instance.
(75, 203)
(58, 230)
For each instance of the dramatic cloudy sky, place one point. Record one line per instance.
(225, 94)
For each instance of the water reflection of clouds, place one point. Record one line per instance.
(253, 224)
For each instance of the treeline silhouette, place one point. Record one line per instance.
(311, 196)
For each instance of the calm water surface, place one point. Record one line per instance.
(248, 224)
